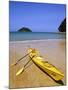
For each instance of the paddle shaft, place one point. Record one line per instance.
(22, 69)
(22, 58)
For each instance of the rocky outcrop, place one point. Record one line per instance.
(24, 29)
(62, 27)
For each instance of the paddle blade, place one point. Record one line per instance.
(20, 71)
(13, 64)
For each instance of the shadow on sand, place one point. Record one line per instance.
(59, 82)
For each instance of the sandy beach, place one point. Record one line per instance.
(52, 50)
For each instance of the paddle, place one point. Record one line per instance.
(20, 59)
(23, 68)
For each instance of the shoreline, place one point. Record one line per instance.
(36, 40)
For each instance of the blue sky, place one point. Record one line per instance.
(39, 17)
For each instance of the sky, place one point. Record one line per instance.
(39, 17)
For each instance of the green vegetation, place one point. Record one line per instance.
(24, 29)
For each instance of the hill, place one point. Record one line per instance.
(62, 27)
(24, 29)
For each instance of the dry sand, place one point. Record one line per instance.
(52, 50)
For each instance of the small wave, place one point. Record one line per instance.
(26, 41)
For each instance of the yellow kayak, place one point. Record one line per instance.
(51, 70)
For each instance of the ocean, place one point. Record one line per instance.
(22, 36)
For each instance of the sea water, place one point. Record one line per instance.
(22, 36)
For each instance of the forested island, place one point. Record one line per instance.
(24, 29)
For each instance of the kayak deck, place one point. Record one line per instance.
(51, 70)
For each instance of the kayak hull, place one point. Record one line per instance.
(51, 70)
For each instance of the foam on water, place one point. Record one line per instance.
(26, 41)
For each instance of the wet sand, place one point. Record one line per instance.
(52, 50)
